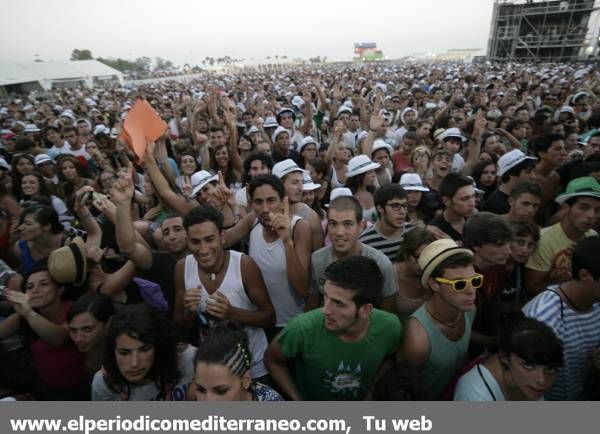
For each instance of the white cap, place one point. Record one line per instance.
(200, 179)
(297, 101)
(285, 167)
(412, 182)
(567, 109)
(31, 128)
(510, 160)
(343, 109)
(307, 182)
(67, 114)
(101, 129)
(306, 141)
(380, 144)
(270, 122)
(360, 164)
(41, 159)
(339, 192)
(453, 132)
(277, 132)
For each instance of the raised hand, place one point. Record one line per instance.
(79, 207)
(377, 121)
(19, 301)
(186, 185)
(339, 128)
(221, 193)
(281, 224)
(123, 188)
(480, 124)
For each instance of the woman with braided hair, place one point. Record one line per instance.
(222, 368)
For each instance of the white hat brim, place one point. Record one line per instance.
(199, 187)
(371, 166)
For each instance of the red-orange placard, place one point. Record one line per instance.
(140, 123)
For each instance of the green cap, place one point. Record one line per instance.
(584, 186)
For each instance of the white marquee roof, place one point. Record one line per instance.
(26, 72)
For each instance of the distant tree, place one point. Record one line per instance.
(81, 54)
(143, 64)
(163, 64)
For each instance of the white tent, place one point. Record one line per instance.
(48, 75)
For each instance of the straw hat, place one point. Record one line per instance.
(435, 253)
(69, 263)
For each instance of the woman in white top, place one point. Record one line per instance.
(523, 369)
(142, 361)
(361, 181)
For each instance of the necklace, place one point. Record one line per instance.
(573, 305)
(451, 325)
(213, 276)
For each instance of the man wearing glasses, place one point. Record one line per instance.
(437, 335)
(387, 233)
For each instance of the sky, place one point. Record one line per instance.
(186, 31)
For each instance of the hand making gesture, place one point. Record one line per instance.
(282, 223)
(122, 190)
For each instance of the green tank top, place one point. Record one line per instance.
(446, 358)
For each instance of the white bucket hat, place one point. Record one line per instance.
(360, 164)
(285, 167)
(412, 182)
(200, 179)
(307, 182)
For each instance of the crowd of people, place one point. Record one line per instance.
(328, 232)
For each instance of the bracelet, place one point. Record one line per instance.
(84, 216)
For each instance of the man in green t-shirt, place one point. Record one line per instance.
(340, 349)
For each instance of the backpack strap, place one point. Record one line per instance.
(485, 382)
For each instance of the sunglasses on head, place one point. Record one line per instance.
(460, 285)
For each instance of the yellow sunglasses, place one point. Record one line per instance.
(459, 285)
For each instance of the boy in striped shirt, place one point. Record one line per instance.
(572, 309)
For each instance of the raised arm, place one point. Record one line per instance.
(376, 122)
(338, 130)
(298, 244)
(164, 190)
(121, 194)
(307, 124)
(229, 114)
(475, 143)
(54, 334)
(89, 223)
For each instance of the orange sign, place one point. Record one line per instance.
(141, 122)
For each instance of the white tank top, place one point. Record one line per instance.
(233, 288)
(270, 258)
(335, 183)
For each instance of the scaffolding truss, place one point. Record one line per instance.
(546, 31)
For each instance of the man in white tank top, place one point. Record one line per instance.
(213, 284)
(280, 244)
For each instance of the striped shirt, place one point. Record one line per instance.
(579, 333)
(388, 246)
